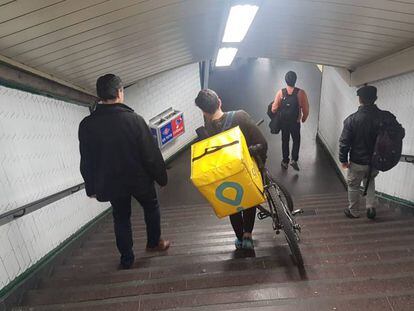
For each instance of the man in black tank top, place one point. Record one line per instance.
(292, 105)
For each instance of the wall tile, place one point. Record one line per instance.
(39, 156)
(176, 88)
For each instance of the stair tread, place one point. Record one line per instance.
(348, 263)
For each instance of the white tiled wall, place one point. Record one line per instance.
(39, 153)
(338, 100)
(39, 156)
(26, 240)
(176, 88)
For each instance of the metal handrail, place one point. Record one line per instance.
(34, 206)
(407, 158)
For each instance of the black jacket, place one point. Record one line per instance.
(119, 156)
(359, 134)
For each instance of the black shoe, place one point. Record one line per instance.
(371, 213)
(295, 165)
(348, 213)
(127, 261)
(285, 165)
(126, 265)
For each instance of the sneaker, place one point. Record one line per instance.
(371, 213)
(295, 165)
(162, 246)
(348, 213)
(238, 243)
(248, 243)
(285, 165)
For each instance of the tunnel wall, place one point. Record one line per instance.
(252, 84)
(176, 88)
(39, 156)
(338, 100)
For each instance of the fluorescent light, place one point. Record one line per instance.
(238, 23)
(225, 56)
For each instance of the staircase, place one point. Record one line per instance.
(350, 265)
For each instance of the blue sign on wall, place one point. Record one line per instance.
(166, 133)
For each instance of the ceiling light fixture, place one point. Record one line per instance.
(238, 22)
(225, 57)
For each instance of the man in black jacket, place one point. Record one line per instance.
(119, 159)
(358, 139)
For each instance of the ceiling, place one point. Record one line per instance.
(78, 40)
(344, 33)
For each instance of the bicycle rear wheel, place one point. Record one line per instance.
(287, 226)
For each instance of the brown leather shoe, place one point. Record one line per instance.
(163, 245)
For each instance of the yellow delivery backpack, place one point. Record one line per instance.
(225, 174)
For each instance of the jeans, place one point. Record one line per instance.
(243, 222)
(122, 222)
(356, 174)
(294, 131)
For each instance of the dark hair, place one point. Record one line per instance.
(290, 78)
(107, 86)
(367, 94)
(207, 100)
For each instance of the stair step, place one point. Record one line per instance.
(147, 269)
(317, 289)
(227, 237)
(320, 244)
(349, 265)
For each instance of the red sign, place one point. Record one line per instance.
(177, 126)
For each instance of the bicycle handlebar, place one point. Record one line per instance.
(258, 123)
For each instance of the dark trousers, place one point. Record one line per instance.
(243, 222)
(122, 222)
(294, 131)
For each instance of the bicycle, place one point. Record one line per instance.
(280, 208)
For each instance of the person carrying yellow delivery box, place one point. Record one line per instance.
(217, 121)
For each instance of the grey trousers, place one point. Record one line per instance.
(357, 174)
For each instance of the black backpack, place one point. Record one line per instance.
(388, 145)
(289, 108)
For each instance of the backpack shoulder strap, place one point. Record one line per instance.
(295, 91)
(228, 121)
(284, 93)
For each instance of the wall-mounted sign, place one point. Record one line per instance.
(167, 126)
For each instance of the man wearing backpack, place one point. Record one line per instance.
(373, 140)
(291, 103)
(217, 121)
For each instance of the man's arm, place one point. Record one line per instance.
(151, 155)
(304, 105)
(345, 142)
(86, 162)
(277, 101)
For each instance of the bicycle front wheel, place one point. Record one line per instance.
(284, 193)
(287, 226)
(287, 198)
